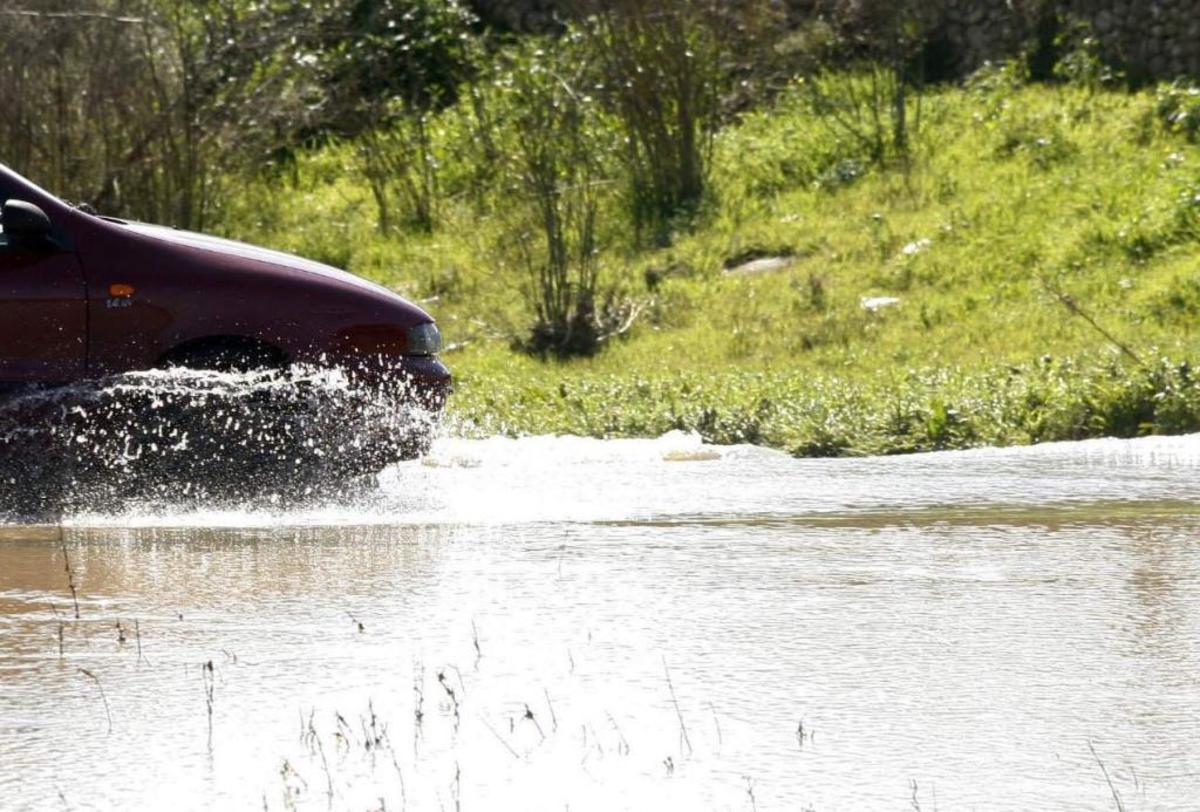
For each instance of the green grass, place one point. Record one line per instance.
(1010, 191)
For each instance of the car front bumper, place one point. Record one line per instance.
(428, 379)
(422, 379)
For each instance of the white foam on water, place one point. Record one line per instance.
(186, 449)
(677, 477)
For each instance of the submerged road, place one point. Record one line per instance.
(555, 623)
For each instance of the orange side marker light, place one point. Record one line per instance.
(119, 290)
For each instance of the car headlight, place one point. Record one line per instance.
(424, 339)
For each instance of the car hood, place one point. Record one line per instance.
(241, 250)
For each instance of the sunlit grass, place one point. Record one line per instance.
(1011, 192)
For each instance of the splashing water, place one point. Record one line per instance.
(183, 436)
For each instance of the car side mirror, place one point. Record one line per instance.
(25, 223)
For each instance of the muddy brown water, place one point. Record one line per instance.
(564, 623)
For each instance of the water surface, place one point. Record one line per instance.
(557, 623)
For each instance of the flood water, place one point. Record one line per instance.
(595, 625)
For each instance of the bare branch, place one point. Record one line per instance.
(73, 15)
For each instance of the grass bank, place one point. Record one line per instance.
(922, 303)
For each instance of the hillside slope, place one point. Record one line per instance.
(922, 304)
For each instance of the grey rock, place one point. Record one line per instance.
(761, 266)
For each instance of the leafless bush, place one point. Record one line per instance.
(661, 68)
(670, 71)
(387, 66)
(558, 167)
(137, 106)
(882, 39)
(400, 167)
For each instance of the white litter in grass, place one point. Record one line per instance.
(877, 303)
(914, 248)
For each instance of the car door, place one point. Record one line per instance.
(43, 314)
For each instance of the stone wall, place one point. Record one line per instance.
(978, 31)
(1153, 38)
(1149, 38)
(521, 15)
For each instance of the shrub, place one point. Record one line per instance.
(399, 165)
(560, 143)
(181, 95)
(662, 65)
(1178, 107)
(386, 68)
(883, 40)
(380, 59)
(862, 109)
(1081, 61)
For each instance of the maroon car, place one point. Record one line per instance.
(84, 297)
